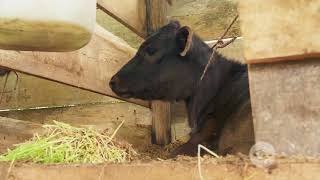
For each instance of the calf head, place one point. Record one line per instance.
(165, 66)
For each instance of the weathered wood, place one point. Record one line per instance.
(89, 68)
(286, 105)
(13, 127)
(156, 16)
(277, 30)
(161, 122)
(136, 129)
(130, 13)
(14, 131)
(159, 170)
(51, 94)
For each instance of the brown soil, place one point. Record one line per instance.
(154, 152)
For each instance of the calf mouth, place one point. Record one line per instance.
(143, 94)
(128, 94)
(123, 94)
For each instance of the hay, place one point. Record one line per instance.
(199, 158)
(63, 143)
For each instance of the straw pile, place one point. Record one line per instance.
(63, 143)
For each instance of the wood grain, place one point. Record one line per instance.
(285, 100)
(161, 122)
(156, 14)
(278, 30)
(14, 131)
(89, 68)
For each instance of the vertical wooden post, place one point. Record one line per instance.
(285, 99)
(285, 96)
(156, 14)
(161, 126)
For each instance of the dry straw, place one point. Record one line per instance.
(63, 143)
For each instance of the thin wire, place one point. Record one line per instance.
(5, 84)
(219, 44)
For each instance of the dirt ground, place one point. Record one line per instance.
(152, 163)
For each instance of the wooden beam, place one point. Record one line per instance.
(278, 30)
(89, 68)
(130, 13)
(156, 16)
(51, 94)
(18, 128)
(285, 99)
(232, 168)
(284, 95)
(161, 122)
(14, 131)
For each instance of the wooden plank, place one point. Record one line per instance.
(156, 14)
(51, 94)
(13, 127)
(89, 68)
(285, 100)
(237, 169)
(130, 13)
(161, 122)
(135, 130)
(279, 30)
(14, 131)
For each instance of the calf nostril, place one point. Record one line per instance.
(114, 80)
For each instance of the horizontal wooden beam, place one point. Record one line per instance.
(89, 68)
(19, 128)
(51, 94)
(278, 30)
(14, 131)
(131, 13)
(232, 168)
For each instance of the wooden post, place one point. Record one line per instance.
(161, 126)
(285, 100)
(156, 16)
(89, 68)
(285, 96)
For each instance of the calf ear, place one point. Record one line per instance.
(184, 40)
(175, 24)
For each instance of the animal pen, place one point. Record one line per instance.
(280, 43)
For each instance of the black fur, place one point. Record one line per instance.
(158, 71)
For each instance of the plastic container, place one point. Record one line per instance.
(46, 25)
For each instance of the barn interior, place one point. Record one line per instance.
(72, 87)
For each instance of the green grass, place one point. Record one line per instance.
(63, 143)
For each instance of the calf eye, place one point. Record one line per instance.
(151, 51)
